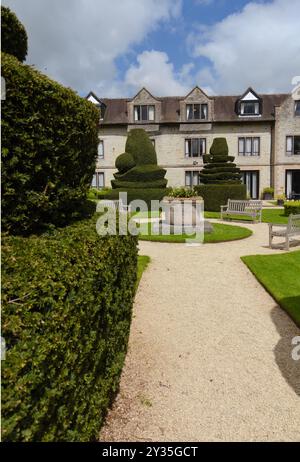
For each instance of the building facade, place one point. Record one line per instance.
(262, 132)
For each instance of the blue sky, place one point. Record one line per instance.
(114, 47)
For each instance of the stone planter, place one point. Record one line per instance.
(184, 214)
(268, 196)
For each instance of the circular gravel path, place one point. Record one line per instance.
(209, 353)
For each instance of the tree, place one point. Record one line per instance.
(218, 165)
(13, 35)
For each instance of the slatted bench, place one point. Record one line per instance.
(114, 204)
(250, 208)
(292, 228)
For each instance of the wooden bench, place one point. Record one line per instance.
(250, 208)
(292, 228)
(114, 204)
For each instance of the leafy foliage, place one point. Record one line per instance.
(182, 192)
(139, 145)
(13, 35)
(291, 207)
(138, 173)
(67, 304)
(49, 148)
(216, 195)
(218, 166)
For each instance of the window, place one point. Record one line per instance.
(293, 145)
(101, 150)
(195, 147)
(98, 180)
(192, 178)
(249, 108)
(196, 111)
(251, 180)
(297, 108)
(144, 113)
(249, 146)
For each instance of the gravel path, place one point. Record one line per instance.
(209, 353)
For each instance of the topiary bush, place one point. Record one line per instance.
(138, 169)
(216, 195)
(13, 35)
(66, 312)
(49, 149)
(291, 207)
(218, 165)
(125, 162)
(145, 194)
(141, 148)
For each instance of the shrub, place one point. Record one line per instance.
(67, 304)
(144, 194)
(125, 162)
(218, 166)
(291, 207)
(13, 35)
(216, 195)
(140, 146)
(182, 192)
(49, 148)
(162, 183)
(142, 173)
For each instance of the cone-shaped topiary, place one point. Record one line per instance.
(138, 171)
(13, 35)
(218, 165)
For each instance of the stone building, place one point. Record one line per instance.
(262, 132)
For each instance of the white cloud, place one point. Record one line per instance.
(258, 46)
(77, 42)
(155, 72)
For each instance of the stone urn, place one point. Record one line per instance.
(184, 214)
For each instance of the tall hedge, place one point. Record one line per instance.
(49, 149)
(67, 304)
(13, 35)
(215, 195)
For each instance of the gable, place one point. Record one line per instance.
(196, 95)
(144, 96)
(250, 97)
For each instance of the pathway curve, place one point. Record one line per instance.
(209, 353)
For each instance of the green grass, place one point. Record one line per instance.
(143, 262)
(279, 274)
(150, 214)
(268, 216)
(221, 233)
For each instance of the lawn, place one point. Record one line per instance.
(268, 216)
(280, 275)
(143, 262)
(221, 233)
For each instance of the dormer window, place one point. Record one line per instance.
(196, 111)
(249, 108)
(250, 104)
(297, 108)
(144, 113)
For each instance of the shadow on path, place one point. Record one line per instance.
(289, 368)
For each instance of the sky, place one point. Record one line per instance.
(116, 47)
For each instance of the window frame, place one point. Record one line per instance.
(100, 157)
(244, 152)
(297, 108)
(250, 114)
(191, 173)
(140, 107)
(292, 152)
(189, 141)
(201, 111)
(97, 175)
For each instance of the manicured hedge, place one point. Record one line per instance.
(142, 173)
(49, 147)
(216, 195)
(291, 207)
(140, 147)
(162, 183)
(13, 35)
(145, 194)
(67, 305)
